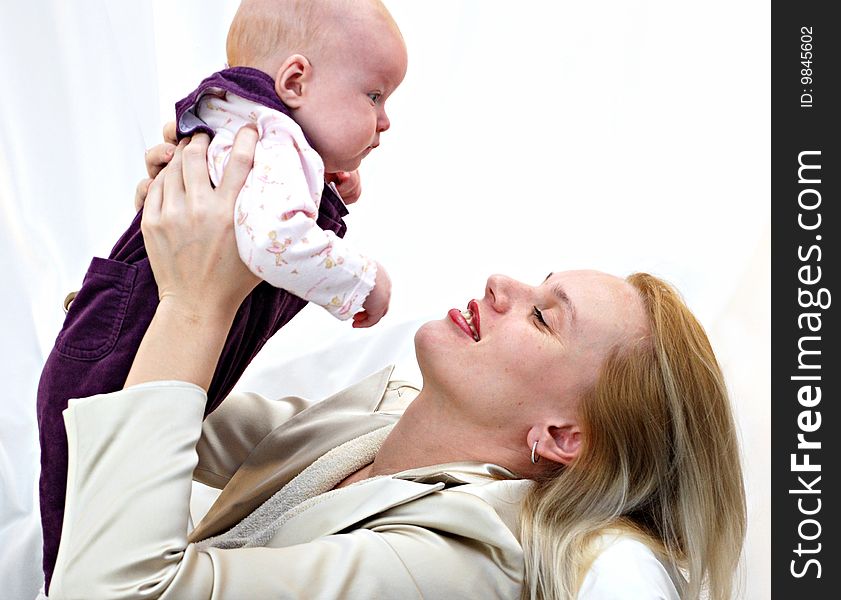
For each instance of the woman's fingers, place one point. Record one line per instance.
(194, 164)
(153, 199)
(157, 158)
(140, 193)
(239, 163)
(170, 133)
(174, 181)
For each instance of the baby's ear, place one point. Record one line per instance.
(291, 80)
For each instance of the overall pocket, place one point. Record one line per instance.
(96, 315)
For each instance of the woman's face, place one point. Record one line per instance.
(539, 346)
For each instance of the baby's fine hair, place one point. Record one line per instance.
(265, 32)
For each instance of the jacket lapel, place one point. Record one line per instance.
(340, 509)
(293, 446)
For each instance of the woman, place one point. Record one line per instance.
(571, 439)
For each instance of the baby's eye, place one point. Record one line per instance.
(375, 97)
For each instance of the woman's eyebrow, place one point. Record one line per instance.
(562, 296)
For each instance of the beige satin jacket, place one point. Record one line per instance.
(448, 531)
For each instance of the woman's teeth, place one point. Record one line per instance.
(468, 316)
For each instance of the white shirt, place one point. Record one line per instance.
(627, 569)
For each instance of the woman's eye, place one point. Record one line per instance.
(375, 97)
(539, 315)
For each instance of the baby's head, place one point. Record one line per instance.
(334, 62)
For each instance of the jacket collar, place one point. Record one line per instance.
(339, 510)
(457, 473)
(293, 446)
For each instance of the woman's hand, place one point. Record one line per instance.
(188, 230)
(157, 157)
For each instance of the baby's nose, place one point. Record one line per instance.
(383, 122)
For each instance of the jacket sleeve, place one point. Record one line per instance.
(276, 211)
(400, 561)
(233, 430)
(125, 530)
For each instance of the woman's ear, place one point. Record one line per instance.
(559, 444)
(292, 79)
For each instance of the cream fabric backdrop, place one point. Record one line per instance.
(527, 137)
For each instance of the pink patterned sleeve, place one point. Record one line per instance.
(275, 214)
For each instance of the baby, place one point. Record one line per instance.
(312, 76)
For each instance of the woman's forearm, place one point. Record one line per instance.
(188, 231)
(181, 344)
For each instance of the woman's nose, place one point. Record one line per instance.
(502, 291)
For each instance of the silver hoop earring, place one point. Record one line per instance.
(534, 457)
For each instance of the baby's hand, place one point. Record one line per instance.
(376, 304)
(348, 184)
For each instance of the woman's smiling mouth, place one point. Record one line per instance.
(467, 320)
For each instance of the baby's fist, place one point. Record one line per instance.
(348, 184)
(376, 304)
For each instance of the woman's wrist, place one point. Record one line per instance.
(207, 314)
(183, 343)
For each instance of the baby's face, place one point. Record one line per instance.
(343, 109)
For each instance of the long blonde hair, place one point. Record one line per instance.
(659, 457)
